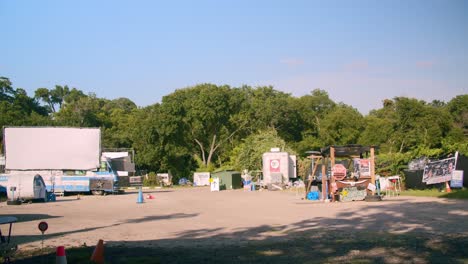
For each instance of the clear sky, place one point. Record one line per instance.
(360, 52)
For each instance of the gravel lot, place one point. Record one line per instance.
(188, 216)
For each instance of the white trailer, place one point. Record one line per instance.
(278, 167)
(68, 159)
(26, 187)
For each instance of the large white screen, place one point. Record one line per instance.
(51, 148)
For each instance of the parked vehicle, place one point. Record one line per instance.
(67, 159)
(27, 187)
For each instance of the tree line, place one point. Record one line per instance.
(209, 127)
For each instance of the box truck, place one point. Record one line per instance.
(68, 159)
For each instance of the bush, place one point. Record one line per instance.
(151, 180)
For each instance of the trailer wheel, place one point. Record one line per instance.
(15, 202)
(97, 192)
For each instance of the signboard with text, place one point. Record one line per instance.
(457, 179)
(439, 171)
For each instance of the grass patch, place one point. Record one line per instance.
(422, 193)
(455, 194)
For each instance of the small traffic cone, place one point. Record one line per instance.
(60, 257)
(447, 187)
(140, 196)
(150, 197)
(98, 253)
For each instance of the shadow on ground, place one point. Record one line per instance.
(30, 217)
(26, 239)
(393, 234)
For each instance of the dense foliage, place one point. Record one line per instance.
(206, 127)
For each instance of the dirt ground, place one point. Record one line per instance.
(195, 216)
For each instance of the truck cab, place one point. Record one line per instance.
(106, 179)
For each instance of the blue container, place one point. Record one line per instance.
(51, 197)
(314, 196)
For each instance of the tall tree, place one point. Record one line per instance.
(18, 109)
(380, 126)
(458, 108)
(312, 109)
(85, 112)
(57, 97)
(203, 115)
(419, 124)
(341, 126)
(119, 122)
(6, 90)
(248, 154)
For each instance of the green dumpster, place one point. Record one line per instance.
(228, 179)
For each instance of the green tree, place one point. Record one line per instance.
(266, 108)
(418, 123)
(341, 126)
(312, 109)
(86, 111)
(379, 128)
(6, 90)
(54, 98)
(119, 122)
(458, 108)
(155, 138)
(248, 155)
(18, 109)
(202, 115)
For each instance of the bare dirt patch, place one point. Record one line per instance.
(260, 226)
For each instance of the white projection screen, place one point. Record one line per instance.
(51, 148)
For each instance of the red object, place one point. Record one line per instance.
(43, 226)
(275, 165)
(98, 254)
(339, 171)
(447, 187)
(60, 257)
(60, 251)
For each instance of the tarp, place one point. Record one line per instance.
(413, 180)
(52, 148)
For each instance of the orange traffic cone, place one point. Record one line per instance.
(98, 254)
(447, 187)
(149, 196)
(60, 257)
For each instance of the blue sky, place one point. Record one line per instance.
(360, 52)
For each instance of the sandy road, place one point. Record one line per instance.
(188, 215)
